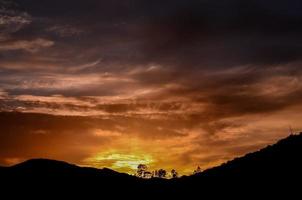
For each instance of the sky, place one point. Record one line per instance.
(169, 83)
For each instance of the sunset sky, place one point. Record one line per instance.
(167, 83)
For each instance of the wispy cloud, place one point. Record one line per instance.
(65, 30)
(3, 94)
(26, 45)
(11, 21)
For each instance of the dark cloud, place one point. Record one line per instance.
(191, 34)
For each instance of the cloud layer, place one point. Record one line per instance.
(209, 80)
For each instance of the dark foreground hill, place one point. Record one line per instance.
(271, 171)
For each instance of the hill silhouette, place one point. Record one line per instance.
(272, 170)
(53, 168)
(281, 159)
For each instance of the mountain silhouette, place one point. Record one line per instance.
(269, 171)
(281, 159)
(53, 168)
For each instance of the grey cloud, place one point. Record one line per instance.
(64, 30)
(191, 34)
(12, 21)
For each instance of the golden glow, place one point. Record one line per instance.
(120, 161)
(122, 145)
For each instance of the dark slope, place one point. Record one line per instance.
(283, 159)
(50, 171)
(60, 178)
(274, 169)
(52, 168)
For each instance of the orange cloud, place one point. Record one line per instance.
(30, 46)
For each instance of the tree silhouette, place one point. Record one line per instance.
(197, 170)
(141, 170)
(154, 174)
(174, 173)
(162, 173)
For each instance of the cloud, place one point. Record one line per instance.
(189, 144)
(30, 46)
(65, 30)
(204, 96)
(85, 66)
(12, 20)
(195, 35)
(3, 94)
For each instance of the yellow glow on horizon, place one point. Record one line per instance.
(122, 162)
